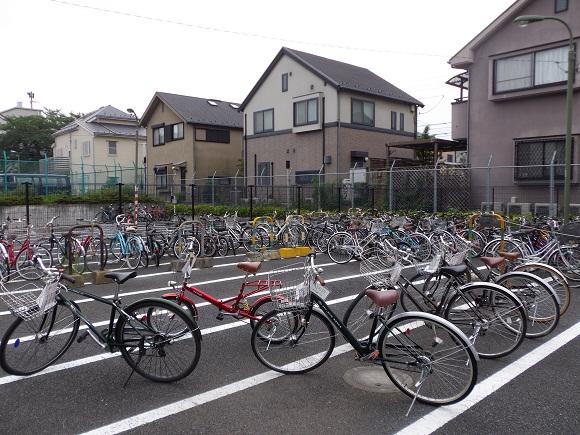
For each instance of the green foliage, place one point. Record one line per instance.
(31, 136)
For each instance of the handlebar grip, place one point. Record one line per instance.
(68, 278)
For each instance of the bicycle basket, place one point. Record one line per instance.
(457, 253)
(230, 221)
(288, 288)
(569, 233)
(29, 300)
(438, 224)
(379, 268)
(397, 222)
(431, 267)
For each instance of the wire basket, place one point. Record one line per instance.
(29, 300)
(379, 268)
(457, 253)
(431, 267)
(231, 222)
(289, 288)
(397, 222)
(438, 224)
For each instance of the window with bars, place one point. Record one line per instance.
(533, 158)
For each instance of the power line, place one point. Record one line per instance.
(240, 33)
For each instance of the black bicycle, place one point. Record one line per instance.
(155, 337)
(425, 356)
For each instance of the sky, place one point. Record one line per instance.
(78, 59)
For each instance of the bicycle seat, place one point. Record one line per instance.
(492, 262)
(454, 270)
(121, 277)
(250, 266)
(511, 256)
(383, 298)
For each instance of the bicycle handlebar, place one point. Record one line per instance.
(52, 272)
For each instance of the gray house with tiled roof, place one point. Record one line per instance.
(191, 137)
(308, 114)
(100, 146)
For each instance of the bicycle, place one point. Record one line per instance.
(418, 351)
(152, 335)
(126, 245)
(236, 306)
(59, 248)
(493, 318)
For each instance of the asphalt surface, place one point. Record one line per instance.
(230, 391)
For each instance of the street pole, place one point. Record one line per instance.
(489, 199)
(391, 186)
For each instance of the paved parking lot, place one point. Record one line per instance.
(535, 389)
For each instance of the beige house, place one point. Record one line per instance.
(100, 147)
(308, 114)
(189, 137)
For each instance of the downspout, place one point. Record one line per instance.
(323, 134)
(337, 133)
(416, 117)
(468, 116)
(246, 147)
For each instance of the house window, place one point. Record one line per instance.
(177, 131)
(284, 82)
(263, 121)
(532, 159)
(264, 175)
(161, 176)
(306, 112)
(363, 112)
(219, 136)
(393, 120)
(305, 177)
(560, 5)
(530, 70)
(158, 136)
(86, 148)
(401, 121)
(112, 145)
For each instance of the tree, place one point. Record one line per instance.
(31, 136)
(425, 156)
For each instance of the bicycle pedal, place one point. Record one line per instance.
(220, 316)
(82, 337)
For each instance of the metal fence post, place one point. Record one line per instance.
(287, 189)
(553, 213)
(435, 185)
(339, 196)
(82, 176)
(251, 202)
(213, 189)
(236, 187)
(319, 188)
(299, 189)
(372, 197)
(27, 201)
(391, 186)
(489, 196)
(192, 201)
(5, 171)
(120, 197)
(46, 173)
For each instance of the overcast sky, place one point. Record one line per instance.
(78, 59)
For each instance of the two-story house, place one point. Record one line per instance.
(309, 114)
(190, 137)
(101, 147)
(515, 111)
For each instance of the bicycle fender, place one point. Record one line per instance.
(173, 295)
(260, 299)
(544, 265)
(491, 285)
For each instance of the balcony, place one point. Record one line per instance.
(459, 120)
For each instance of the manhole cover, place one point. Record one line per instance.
(372, 379)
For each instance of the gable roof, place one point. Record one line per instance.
(339, 75)
(101, 122)
(465, 55)
(194, 110)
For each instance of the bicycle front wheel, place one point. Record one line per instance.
(492, 317)
(293, 342)
(25, 265)
(428, 358)
(341, 248)
(159, 340)
(30, 346)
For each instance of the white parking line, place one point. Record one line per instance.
(441, 416)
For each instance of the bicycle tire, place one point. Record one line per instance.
(413, 340)
(493, 317)
(17, 354)
(539, 299)
(341, 248)
(93, 255)
(260, 308)
(26, 269)
(565, 260)
(293, 342)
(223, 246)
(134, 253)
(186, 306)
(554, 277)
(157, 323)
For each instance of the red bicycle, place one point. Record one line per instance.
(237, 306)
(21, 259)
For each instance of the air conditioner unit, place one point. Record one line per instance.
(494, 206)
(545, 209)
(575, 209)
(518, 208)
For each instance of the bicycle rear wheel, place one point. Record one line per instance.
(159, 341)
(341, 248)
(428, 358)
(293, 342)
(554, 278)
(30, 346)
(492, 317)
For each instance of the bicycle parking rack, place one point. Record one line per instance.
(98, 276)
(201, 262)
